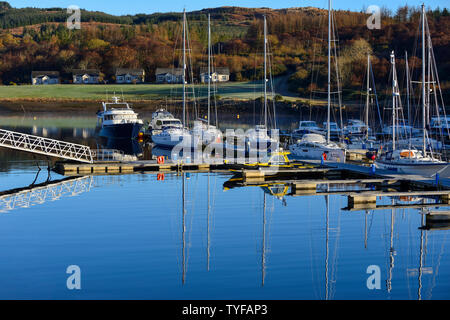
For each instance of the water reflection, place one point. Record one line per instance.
(128, 146)
(33, 195)
(271, 245)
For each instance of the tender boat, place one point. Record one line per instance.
(118, 120)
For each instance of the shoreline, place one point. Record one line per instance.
(38, 105)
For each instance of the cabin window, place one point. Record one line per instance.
(278, 160)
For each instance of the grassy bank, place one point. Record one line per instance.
(245, 90)
(140, 92)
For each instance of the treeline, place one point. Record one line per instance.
(37, 39)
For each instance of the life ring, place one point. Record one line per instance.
(161, 160)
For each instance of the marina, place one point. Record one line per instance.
(171, 191)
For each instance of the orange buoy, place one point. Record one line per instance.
(161, 177)
(161, 160)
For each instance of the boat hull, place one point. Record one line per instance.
(170, 141)
(333, 155)
(126, 130)
(423, 169)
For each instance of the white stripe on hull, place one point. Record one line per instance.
(334, 155)
(426, 170)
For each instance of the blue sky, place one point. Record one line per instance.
(120, 7)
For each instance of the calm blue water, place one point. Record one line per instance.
(128, 236)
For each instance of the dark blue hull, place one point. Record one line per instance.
(126, 130)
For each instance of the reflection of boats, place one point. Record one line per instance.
(438, 216)
(277, 189)
(127, 146)
(408, 200)
(119, 121)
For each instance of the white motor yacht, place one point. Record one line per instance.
(315, 147)
(118, 120)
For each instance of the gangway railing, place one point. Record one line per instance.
(105, 155)
(45, 146)
(51, 191)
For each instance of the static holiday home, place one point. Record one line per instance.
(45, 77)
(130, 75)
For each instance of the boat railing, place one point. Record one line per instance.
(111, 155)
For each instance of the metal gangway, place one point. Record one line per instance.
(51, 191)
(45, 146)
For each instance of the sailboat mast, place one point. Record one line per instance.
(423, 79)
(327, 199)
(367, 98)
(394, 84)
(263, 256)
(184, 67)
(208, 226)
(265, 71)
(407, 88)
(183, 231)
(329, 73)
(209, 69)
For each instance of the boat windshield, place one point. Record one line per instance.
(169, 122)
(308, 124)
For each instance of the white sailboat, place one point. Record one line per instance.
(359, 133)
(177, 135)
(409, 160)
(209, 133)
(315, 146)
(258, 139)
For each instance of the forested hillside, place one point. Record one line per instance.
(37, 39)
